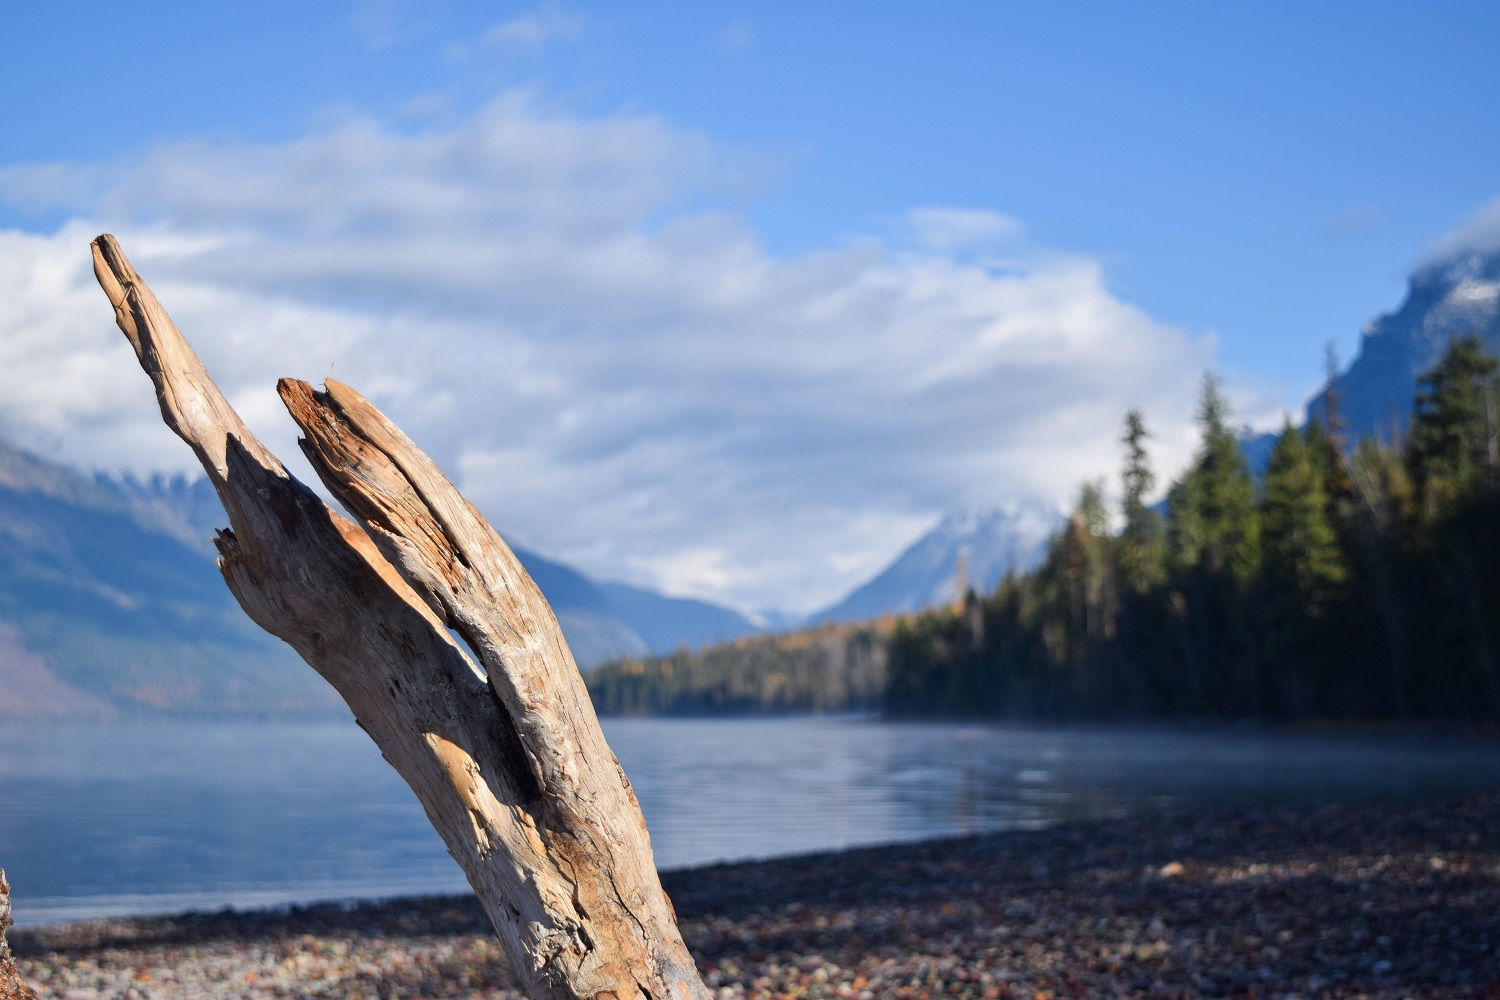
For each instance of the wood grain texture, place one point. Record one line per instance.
(505, 754)
(12, 986)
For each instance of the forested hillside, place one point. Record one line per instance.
(826, 669)
(1354, 579)
(1358, 579)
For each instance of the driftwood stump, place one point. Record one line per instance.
(502, 746)
(12, 986)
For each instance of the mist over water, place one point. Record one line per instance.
(140, 818)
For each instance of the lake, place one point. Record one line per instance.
(126, 818)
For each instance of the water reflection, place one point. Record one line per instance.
(725, 789)
(137, 818)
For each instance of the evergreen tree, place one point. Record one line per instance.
(1360, 583)
(1213, 531)
(1098, 575)
(1093, 508)
(1213, 522)
(1140, 550)
(1380, 516)
(1452, 456)
(1328, 441)
(1301, 558)
(1076, 604)
(1452, 443)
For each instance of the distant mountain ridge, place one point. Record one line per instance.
(106, 610)
(990, 542)
(604, 621)
(1445, 299)
(110, 603)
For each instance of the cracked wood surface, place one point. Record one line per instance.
(12, 986)
(505, 754)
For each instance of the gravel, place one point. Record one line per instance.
(1371, 901)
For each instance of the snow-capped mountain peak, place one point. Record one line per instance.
(989, 541)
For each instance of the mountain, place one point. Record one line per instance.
(110, 603)
(990, 543)
(594, 634)
(1444, 300)
(605, 621)
(104, 609)
(667, 623)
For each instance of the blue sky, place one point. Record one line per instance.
(1188, 184)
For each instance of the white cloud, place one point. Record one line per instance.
(616, 380)
(960, 230)
(536, 27)
(1480, 233)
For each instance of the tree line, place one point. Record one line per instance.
(1350, 580)
(832, 668)
(1356, 580)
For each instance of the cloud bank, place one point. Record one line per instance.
(1480, 233)
(616, 375)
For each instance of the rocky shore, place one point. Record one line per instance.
(1385, 901)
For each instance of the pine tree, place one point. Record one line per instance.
(1452, 444)
(1140, 553)
(1301, 558)
(1213, 524)
(1213, 530)
(1328, 438)
(1098, 580)
(1380, 515)
(1073, 593)
(1452, 455)
(1065, 577)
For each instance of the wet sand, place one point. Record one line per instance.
(1369, 901)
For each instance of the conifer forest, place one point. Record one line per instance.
(1349, 580)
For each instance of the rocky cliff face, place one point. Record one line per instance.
(1444, 300)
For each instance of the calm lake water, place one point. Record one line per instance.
(121, 818)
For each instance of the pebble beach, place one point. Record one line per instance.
(1374, 901)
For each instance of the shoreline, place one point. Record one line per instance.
(1379, 900)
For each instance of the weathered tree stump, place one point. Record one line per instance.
(12, 986)
(505, 754)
